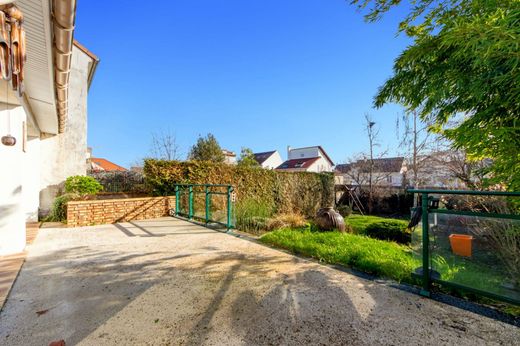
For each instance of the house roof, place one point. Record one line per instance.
(106, 165)
(298, 163)
(228, 153)
(320, 148)
(386, 165)
(261, 157)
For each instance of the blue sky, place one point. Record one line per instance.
(262, 74)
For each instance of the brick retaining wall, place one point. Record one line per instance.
(97, 212)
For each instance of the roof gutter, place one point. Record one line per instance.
(63, 17)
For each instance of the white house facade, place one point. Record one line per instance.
(47, 120)
(307, 159)
(269, 159)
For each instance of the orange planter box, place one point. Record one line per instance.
(461, 244)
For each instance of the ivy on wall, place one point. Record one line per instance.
(283, 192)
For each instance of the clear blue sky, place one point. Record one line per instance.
(259, 73)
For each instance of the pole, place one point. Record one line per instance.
(207, 204)
(177, 198)
(229, 190)
(425, 247)
(190, 212)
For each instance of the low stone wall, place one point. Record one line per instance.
(97, 212)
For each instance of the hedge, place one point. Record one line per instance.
(282, 192)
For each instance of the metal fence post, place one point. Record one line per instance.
(190, 204)
(177, 198)
(229, 190)
(426, 247)
(207, 204)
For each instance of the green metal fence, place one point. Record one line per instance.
(207, 203)
(476, 252)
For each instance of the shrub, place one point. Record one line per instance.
(281, 192)
(393, 230)
(252, 216)
(292, 220)
(344, 210)
(121, 181)
(59, 208)
(82, 185)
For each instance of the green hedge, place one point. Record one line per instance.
(393, 230)
(282, 192)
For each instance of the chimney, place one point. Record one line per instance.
(288, 152)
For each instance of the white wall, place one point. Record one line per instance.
(65, 155)
(301, 153)
(273, 161)
(12, 220)
(321, 165)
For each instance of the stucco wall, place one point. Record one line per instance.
(65, 154)
(12, 161)
(273, 161)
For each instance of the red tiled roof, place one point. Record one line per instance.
(298, 163)
(106, 165)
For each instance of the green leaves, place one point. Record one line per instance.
(463, 65)
(206, 149)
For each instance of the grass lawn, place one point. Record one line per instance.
(369, 255)
(384, 258)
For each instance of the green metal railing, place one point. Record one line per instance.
(215, 205)
(489, 265)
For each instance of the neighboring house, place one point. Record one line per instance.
(308, 159)
(229, 157)
(441, 170)
(45, 110)
(269, 159)
(103, 165)
(387, 172)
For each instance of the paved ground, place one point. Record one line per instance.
(170, 282)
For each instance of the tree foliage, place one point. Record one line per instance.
(247, 158)
(462, 74)
(206, 149)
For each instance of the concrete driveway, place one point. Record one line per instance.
(169, 282)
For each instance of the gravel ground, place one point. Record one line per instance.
(169, 282)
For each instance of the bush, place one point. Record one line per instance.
(287, 221)
(282, 192)
(122, 181)
(393, 230)
(252, 216)
(59, 208)
(82, 185)
(344, 210)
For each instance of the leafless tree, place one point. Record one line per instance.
(164, 146)
(362, 168)
(418, 143)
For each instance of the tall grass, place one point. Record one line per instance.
(252, 216)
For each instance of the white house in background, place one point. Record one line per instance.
(269, 159)
(307, 159)
(229, 157)
(387, 172)
(48, 118)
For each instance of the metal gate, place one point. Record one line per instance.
(206, 203)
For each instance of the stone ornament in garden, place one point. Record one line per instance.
(328, 219)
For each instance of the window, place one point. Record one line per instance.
(389, 179)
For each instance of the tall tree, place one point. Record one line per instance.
(362, 169)
(207, 149)
(463, 65)
(417, 143)
(247, 158)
